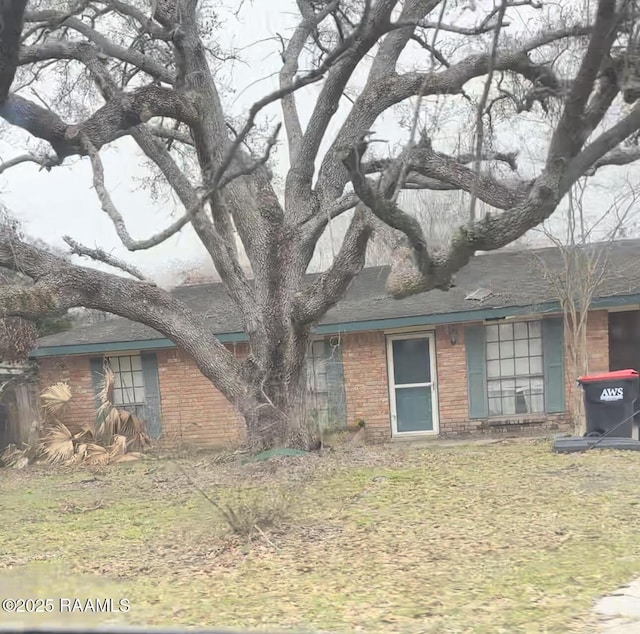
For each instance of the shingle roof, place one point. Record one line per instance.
(515, 279)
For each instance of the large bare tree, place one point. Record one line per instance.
(151, 64)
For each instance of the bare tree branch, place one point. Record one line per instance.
(106, 124)
(482, 104)
(60, 285)
(100, 255)
(116, 217)
(46, 162)
(64, 49)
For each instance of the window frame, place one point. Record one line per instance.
(134, 404)
(527, 396)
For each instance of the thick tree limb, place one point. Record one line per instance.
(60, 285)
(214, 150)
(509, 158)
(106, 124)
(53, 18)
(290, 58)
(64, 49)
(11, 17)
(290, 87)
(385, 209)
(425, 162)
(171, 134)
(146, 23)
(223, 254)
(568, 137)
(602, 145)
(615, 157)
(419, 270)
(329, 287)
(385, 89)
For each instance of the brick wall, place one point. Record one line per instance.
(451, 361)
(75, 371)
(364, 361)
(598, 341)
(194, 413)
(365, 371)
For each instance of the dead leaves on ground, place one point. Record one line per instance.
(505, 538)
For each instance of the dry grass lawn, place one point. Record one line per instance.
(492, 538)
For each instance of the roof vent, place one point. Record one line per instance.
(480, 294)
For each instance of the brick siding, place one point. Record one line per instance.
(195, 414)
(366, 386)
(75, 371)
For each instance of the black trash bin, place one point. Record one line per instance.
(609, 399)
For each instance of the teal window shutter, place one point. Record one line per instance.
(476, 371)
(335, 383)
(152, 412)
(553, 357)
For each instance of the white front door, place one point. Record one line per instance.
(412, 384)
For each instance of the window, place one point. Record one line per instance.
(128, 386)
(325, 383)
(515, 376)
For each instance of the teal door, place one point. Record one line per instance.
(412, 385)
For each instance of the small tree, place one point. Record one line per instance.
(584, 249)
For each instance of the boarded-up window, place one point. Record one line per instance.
(325, 383)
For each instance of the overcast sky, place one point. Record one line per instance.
(52, 204)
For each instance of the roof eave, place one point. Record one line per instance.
(478, 314)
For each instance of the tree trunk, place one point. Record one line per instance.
(276, 413)
(576, 331)
(276, 373)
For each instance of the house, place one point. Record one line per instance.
(486, 356)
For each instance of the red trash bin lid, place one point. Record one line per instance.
(610, 376)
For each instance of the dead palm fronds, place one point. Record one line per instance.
(54, 399)
(97, 455)
(15, 457)
(118, 422)
(133, 429)
(118, 436)
(58, 446)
